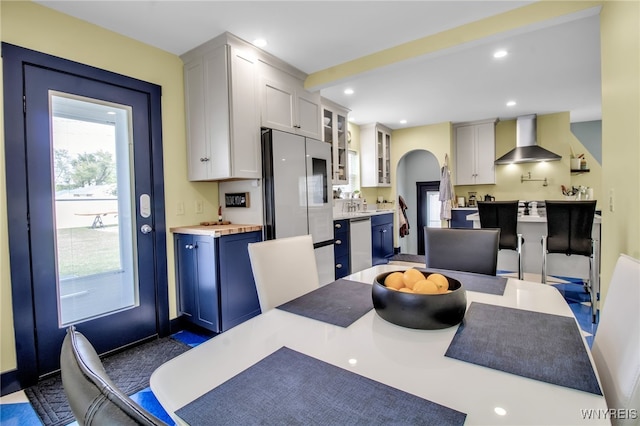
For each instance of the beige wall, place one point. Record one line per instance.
(554, 134)
(35, 27)
(620, 53)
(435, 138)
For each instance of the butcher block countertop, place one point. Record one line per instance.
(215, 230)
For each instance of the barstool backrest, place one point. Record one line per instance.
(569, 225)
(503, 215)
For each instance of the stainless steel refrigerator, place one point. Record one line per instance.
(297, 193)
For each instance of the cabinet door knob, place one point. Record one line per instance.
(204, 159)
(338, 225)
(338, 242)
(189, 246)
(384, 230)
(338, 265)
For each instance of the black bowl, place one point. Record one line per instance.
(422, 311)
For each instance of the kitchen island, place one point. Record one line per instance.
(532, 228)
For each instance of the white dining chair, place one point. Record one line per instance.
(616, 347)
(283, 269)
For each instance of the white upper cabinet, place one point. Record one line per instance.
(334, 131)
(375, 155)
(475, 152)
(222, 107)
(286, 105)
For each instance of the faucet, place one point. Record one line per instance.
(351, 206)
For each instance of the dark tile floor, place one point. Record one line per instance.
(15, 409)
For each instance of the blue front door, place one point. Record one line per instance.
(91, 212)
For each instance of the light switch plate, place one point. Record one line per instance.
(611, 200)
(199, 207)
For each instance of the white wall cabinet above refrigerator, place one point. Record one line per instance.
(475, 153)
(286, 105)
(375, 155)
(334, 131)
(223, 116)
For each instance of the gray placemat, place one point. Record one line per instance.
(290, 388)
(539, 346)
(476, 282)
(340, 303)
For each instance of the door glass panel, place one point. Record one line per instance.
(95, 238)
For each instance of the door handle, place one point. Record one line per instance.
(146, 229)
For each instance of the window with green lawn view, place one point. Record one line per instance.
(92, 152)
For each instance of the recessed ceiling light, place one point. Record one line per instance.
(403, 121)
(500, 54)
(500, 411)
(111, 112)
(260, 42)
(511, 103)
(348, 91)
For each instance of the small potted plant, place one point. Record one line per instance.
(356, 193)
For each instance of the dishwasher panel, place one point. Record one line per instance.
(360, 241)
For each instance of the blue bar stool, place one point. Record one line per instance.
(503, 215)
(569, 227)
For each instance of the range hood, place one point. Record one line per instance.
(527, 149)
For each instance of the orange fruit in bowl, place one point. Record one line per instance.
(441, 281)
(426, 287)
(412, 276)
(406, 290)
(394, 280)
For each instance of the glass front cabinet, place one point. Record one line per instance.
(375, 154)
(334, 125)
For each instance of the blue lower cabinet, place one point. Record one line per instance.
(215, 283)
(238, 295)
(341, 247)
(381, 238)
(459, 218)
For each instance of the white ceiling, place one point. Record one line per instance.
(551, 67)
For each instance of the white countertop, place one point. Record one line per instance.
(530, 218)
(351, 215)
(407, 359)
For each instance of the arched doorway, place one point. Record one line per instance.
(415, 166)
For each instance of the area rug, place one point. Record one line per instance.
(130, 371)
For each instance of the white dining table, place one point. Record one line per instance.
(407, 359)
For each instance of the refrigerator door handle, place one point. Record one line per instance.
(323, 244)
